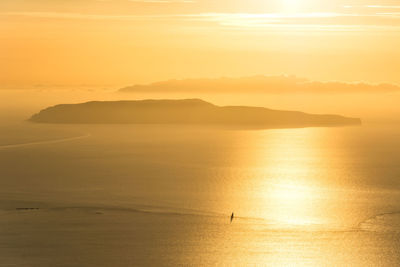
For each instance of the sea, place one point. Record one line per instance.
(163, 195)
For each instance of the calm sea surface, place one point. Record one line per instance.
(150, 195)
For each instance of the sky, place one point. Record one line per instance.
(126, 42)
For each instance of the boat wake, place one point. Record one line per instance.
(54, 141)
(382, 223)
(385, 222)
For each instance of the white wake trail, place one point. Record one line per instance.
(3, 147)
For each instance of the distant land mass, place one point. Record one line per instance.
(259, 84)
(186, 111)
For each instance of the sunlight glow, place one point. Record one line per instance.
(291, 6)
(288, 188)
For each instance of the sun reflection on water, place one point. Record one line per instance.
(286, 184)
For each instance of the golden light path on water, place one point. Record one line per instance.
(294, 181)
(286, 187)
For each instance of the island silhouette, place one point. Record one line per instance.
(184, 111)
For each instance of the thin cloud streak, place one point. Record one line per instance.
(163, 1)
(196, 16)
(384, 7)
(328, 22)
(211, 14)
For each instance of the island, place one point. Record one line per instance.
(184, 111)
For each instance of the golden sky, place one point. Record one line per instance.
(123, 42)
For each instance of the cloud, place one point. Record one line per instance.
(163, 1)
(260, 84)
(65, 15)
(383, 7)
(388, 21)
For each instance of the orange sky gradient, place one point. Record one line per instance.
(121, 42)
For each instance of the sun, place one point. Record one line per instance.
(291, 6)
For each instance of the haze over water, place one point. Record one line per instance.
(162, 195)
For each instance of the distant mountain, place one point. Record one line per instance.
(187, 111)
(259, 84)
